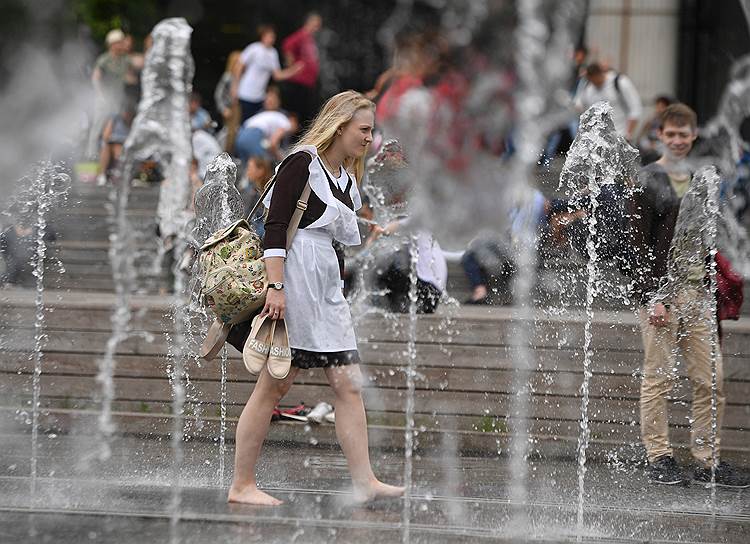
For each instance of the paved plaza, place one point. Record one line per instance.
(455, 498)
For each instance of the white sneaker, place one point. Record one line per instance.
(331, 417)
(101, 180)
(321, 410)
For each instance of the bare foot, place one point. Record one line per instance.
(480, 292)
(377, 490)
(252, 495)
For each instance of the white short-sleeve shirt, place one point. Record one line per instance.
(260, 63)
(626, 104)
(269, 122)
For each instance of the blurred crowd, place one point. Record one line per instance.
(266, 96)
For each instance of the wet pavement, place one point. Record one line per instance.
(455, 498)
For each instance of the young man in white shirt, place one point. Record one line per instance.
(262, 134)
(618, 90)
(258, 62)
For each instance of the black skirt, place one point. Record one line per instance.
(301, 358)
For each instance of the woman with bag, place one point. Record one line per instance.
(305, 291)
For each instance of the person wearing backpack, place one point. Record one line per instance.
(615, 88)
(306, 291)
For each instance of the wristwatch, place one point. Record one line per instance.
(276, 285)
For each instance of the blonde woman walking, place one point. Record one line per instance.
(306, 291)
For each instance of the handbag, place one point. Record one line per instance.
(234, 281)
(728, 289)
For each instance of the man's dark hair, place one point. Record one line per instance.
(664, 99)
(264, 29)
(679, 115)
(594, 69)
(195, 96)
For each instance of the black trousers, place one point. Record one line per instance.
(396, 284)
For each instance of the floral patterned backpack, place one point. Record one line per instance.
(234, 282)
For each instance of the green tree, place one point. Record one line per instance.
(136, 17)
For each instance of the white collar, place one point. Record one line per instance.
(335, 209)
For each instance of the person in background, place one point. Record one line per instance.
(226, 106)
(559, 141)
(580, 58)
(136, 62)
(258, 172)
(675, 323)
(187, 258)
(205, 149)
(488, 263)
(301, 90)
(108, 80)
(648, 137)
(18, 247)
(739, 199)
(615, 88)
(258, 62)
(403, 63)
(200, 119)
(393, 276)
(113, 139)
(263, 133)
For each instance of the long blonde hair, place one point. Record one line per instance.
(231, 59)
(337, 112)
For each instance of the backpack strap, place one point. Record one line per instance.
(297, 215)
(620, 96)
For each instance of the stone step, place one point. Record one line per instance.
(465, 372)
(66, 422)
(439, 365)
(487, 432)
(75, 270)
(98, 212)
(480, 326)
(560, 282)
(605, 383)
(483, 407)
(80, 192)
(95, 274)
(105, 285)
(75, 252)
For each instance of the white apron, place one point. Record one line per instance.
(317, 315)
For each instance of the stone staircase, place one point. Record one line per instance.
(82, 247)
(465, 359)
(83, 232)
(465, 363)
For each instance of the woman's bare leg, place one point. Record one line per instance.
(252, 429)
(105, 157)
(351, 431)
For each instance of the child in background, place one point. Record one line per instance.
(258, 172)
